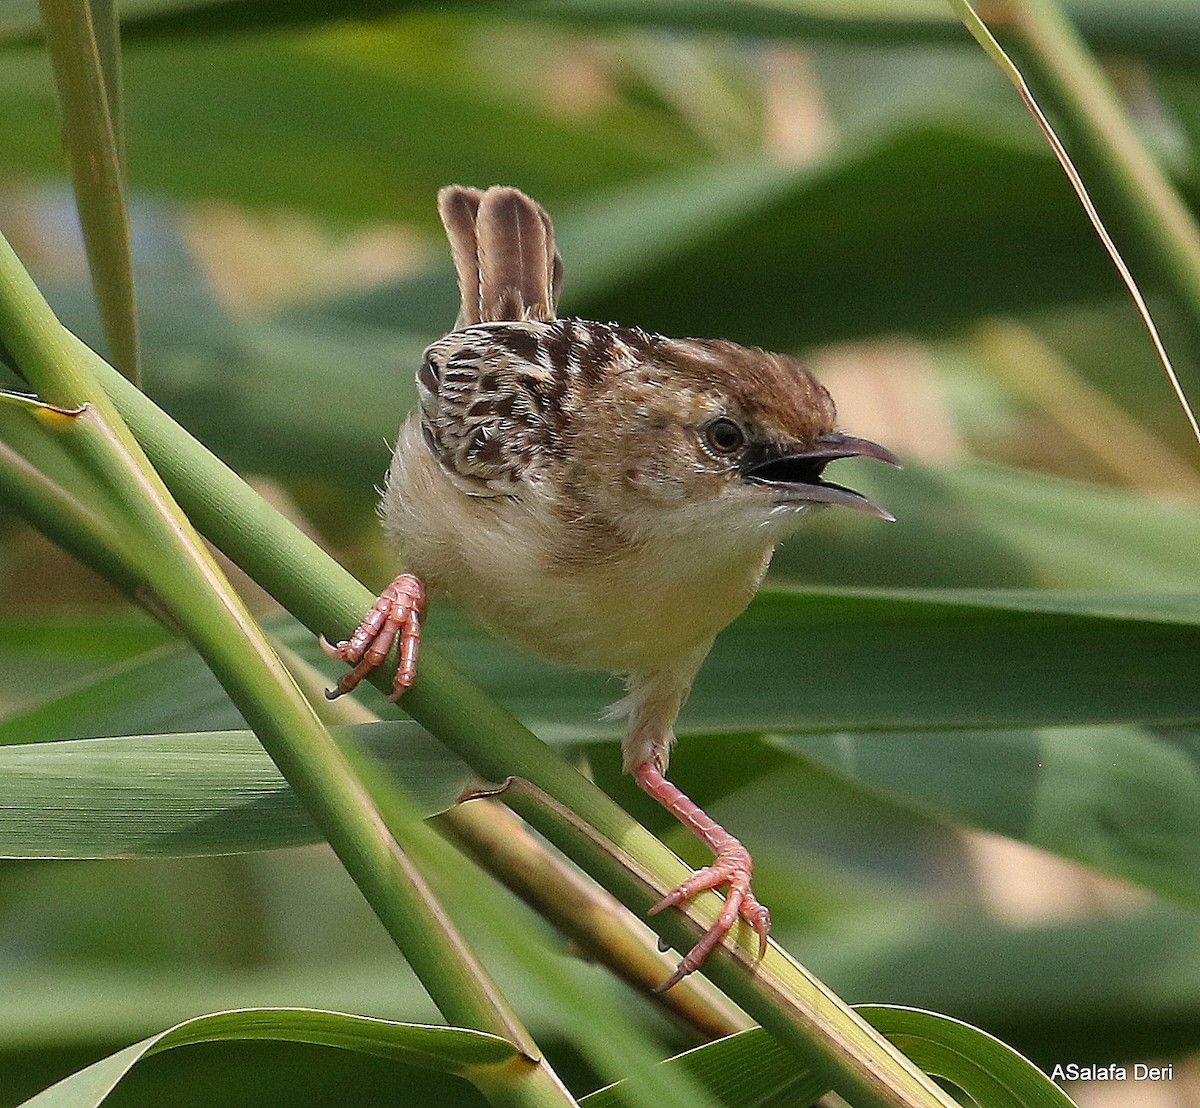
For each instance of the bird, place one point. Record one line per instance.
(599, 495)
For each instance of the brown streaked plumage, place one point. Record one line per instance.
(601, 496)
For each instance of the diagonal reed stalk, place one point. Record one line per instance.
(160, 547)
(83, 40)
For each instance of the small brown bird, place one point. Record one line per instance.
(601, 496)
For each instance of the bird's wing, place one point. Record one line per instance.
(491, 405)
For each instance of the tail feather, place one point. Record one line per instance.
(459, 209)
(503, 248)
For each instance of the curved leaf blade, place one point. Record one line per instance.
(982, 1066)
(447, 1049)
(749, 1070)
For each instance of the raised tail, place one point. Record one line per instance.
(503, 247)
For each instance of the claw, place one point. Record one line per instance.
(395, 615)
(731, 868)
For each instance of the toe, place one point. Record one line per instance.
(716, 876)
(759, 918)
(731, 869)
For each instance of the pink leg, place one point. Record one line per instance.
(396, 614)
(732, 868)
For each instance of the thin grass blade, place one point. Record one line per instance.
(1176, 235)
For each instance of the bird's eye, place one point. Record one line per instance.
(724, 435)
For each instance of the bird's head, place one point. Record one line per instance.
(707, 430)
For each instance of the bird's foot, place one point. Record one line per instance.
(395, 615)
(731, 870)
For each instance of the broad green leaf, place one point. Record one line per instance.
(447, 1049)
(1123, 799)
(86, 56)
(212, 792)
(818, 258)
(873, 660)
(183, 17)
(159, 691)
(162, 691)
(42, 654)
(749, 1070)
(235, 408)
(1153, 27)
(898, 660)
(281, 1075)
(980, 525)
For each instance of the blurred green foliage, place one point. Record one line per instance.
(788, 176)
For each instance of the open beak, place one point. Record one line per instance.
(797, 476)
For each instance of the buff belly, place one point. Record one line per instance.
(638, 612)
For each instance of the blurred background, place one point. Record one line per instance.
(868, 193)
